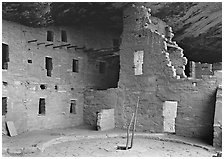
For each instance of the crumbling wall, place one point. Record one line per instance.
(24, 78)
(161, 80)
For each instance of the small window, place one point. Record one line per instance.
(138, 62)
(5, 56)
(42, 106)
(102, 67)
(73, 107)
(29, 61)
(5, 83)
(43, 86)
(50, 36)
(4, 105)
(56, 87)
(75, 65)
(63, 36)
(48, 65)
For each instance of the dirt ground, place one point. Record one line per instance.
(84, 141)
(108, 148)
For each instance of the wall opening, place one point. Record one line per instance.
(73, 107)
(75, 65)
(48, 65)
(50, 36)
(138, 62)
(102, 67)
(5, 56)
(4, 105)
(29, 61)
(41, 106)
(188, 68)
(169, 116)
(5, 83)
(63, 36)
(43, 86)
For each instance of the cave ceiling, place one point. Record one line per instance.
(197, 25)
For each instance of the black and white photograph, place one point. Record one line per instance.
(111, 79)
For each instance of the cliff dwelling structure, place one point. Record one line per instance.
(77, 74)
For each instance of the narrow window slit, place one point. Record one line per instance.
(73, 107)
(5, 56)
(42, 106)
(75, 65)
(63, 36)
(48, 65)
(4, 105)
(50, 36)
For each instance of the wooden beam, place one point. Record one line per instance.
(32, 41)
(61, 46)
(41, 43)
(48, 45)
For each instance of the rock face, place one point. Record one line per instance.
(197, 26)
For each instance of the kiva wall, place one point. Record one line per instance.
(23, 79)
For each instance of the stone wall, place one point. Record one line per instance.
(161, 81)
(217, 141)
(95, 101)
(24, 78)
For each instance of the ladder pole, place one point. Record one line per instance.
(135, 119)
(128, 128)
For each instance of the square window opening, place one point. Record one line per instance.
(50, 36)
(75, 65)
(41, 106)
(5, 56)
(63, 36)
(29, 61)
(4, 105)
(73, 107)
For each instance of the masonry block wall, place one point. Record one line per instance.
(160, 81)
(95, 101)
(25, 82)
(217, 141)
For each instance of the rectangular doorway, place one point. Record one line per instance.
(169, 116)
(138, 62)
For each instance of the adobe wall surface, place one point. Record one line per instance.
(95, 101)
(24, 79)
(160, 82)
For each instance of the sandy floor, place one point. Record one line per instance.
(108, 148)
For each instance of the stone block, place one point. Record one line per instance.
(105, 119)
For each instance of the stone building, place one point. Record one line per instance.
(60, 76)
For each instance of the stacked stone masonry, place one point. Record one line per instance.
(27, 82)
(162, 79)
(158, 83)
